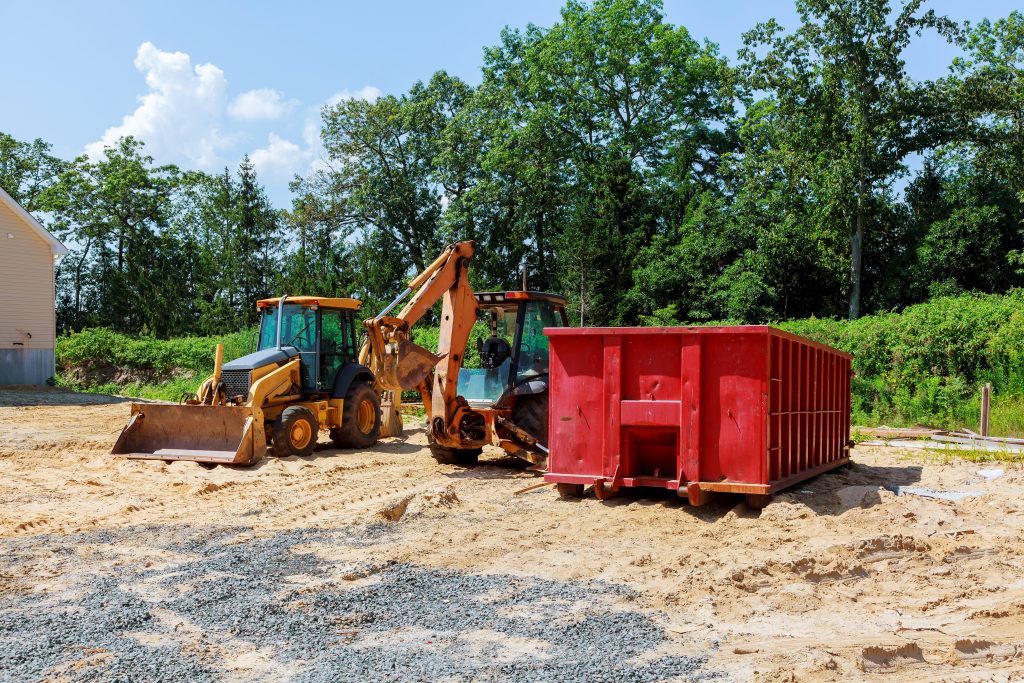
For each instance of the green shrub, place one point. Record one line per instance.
(926, 364)
(102, 360)
(922, 366)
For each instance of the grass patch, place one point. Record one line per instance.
(926, 365)
(948, 456)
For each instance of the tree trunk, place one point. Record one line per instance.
(856, 251)
(78, 280)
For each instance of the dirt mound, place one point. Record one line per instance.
(416, 504)
(98, 373)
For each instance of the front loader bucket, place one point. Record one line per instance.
(214, 434)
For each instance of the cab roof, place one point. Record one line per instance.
(517, 297)
(321, 301)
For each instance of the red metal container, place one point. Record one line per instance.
(748, 409)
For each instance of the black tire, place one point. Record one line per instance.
(569, 490)
(531, 414)
(356, 430)
(453, 456)
(290, 437)
(456, 456)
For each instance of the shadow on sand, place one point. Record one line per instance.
(13, 396)
(831, 493)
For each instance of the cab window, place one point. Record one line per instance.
(533, 348)
(334, 345)
(298, 328)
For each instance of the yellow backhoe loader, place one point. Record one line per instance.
(504, 402)
(303, 377)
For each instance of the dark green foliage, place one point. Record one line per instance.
(923, 366)
(153, 250)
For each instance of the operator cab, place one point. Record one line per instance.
(321, 330)
(508, 345)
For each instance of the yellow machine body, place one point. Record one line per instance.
(216, 428)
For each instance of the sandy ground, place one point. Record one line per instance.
(837, 579)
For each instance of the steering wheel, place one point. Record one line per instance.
(493, 352)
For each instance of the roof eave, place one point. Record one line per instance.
(56, 247)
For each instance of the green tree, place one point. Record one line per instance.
(846, 102)
(124, 273)
(627, 113)
(257, 242)
(28, 170)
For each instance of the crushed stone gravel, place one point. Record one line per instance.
(227, 588)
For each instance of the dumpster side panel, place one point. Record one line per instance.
(809, 409)
(733, 408)
(576, 411)
(651, 367)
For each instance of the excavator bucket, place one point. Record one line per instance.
(405, 368)
(414, 364)
(201, 433)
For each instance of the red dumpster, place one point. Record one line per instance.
(747, 409)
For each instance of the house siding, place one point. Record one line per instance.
(28, 322)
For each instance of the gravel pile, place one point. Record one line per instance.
(385, 622)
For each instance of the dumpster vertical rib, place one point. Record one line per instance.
(812, 437)
(691, 370)
(808, 392)
(765, 421)
(613, 403)
(834, 398)
(816, 407)
(798, 406)
(683, 441)
(774, 442)
(830, 362)
(809, 408)
(847, 377)
(805, 430)
(823, 414)
(791, 394)
(805, 406)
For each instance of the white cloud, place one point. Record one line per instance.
(180, 115)
(188, 117)
(281, 157)
(367, 92)
(263, 103)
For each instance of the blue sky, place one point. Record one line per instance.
(205, 82)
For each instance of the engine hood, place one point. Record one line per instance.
(262, 358)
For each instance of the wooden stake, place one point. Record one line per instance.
(531, 488)
(986, 407)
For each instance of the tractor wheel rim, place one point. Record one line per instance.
(367, 416)
(300, 434)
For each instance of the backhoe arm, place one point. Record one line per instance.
(401, 365)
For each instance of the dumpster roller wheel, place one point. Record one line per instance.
(569, 490)
(604, 490)
(758, 501)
